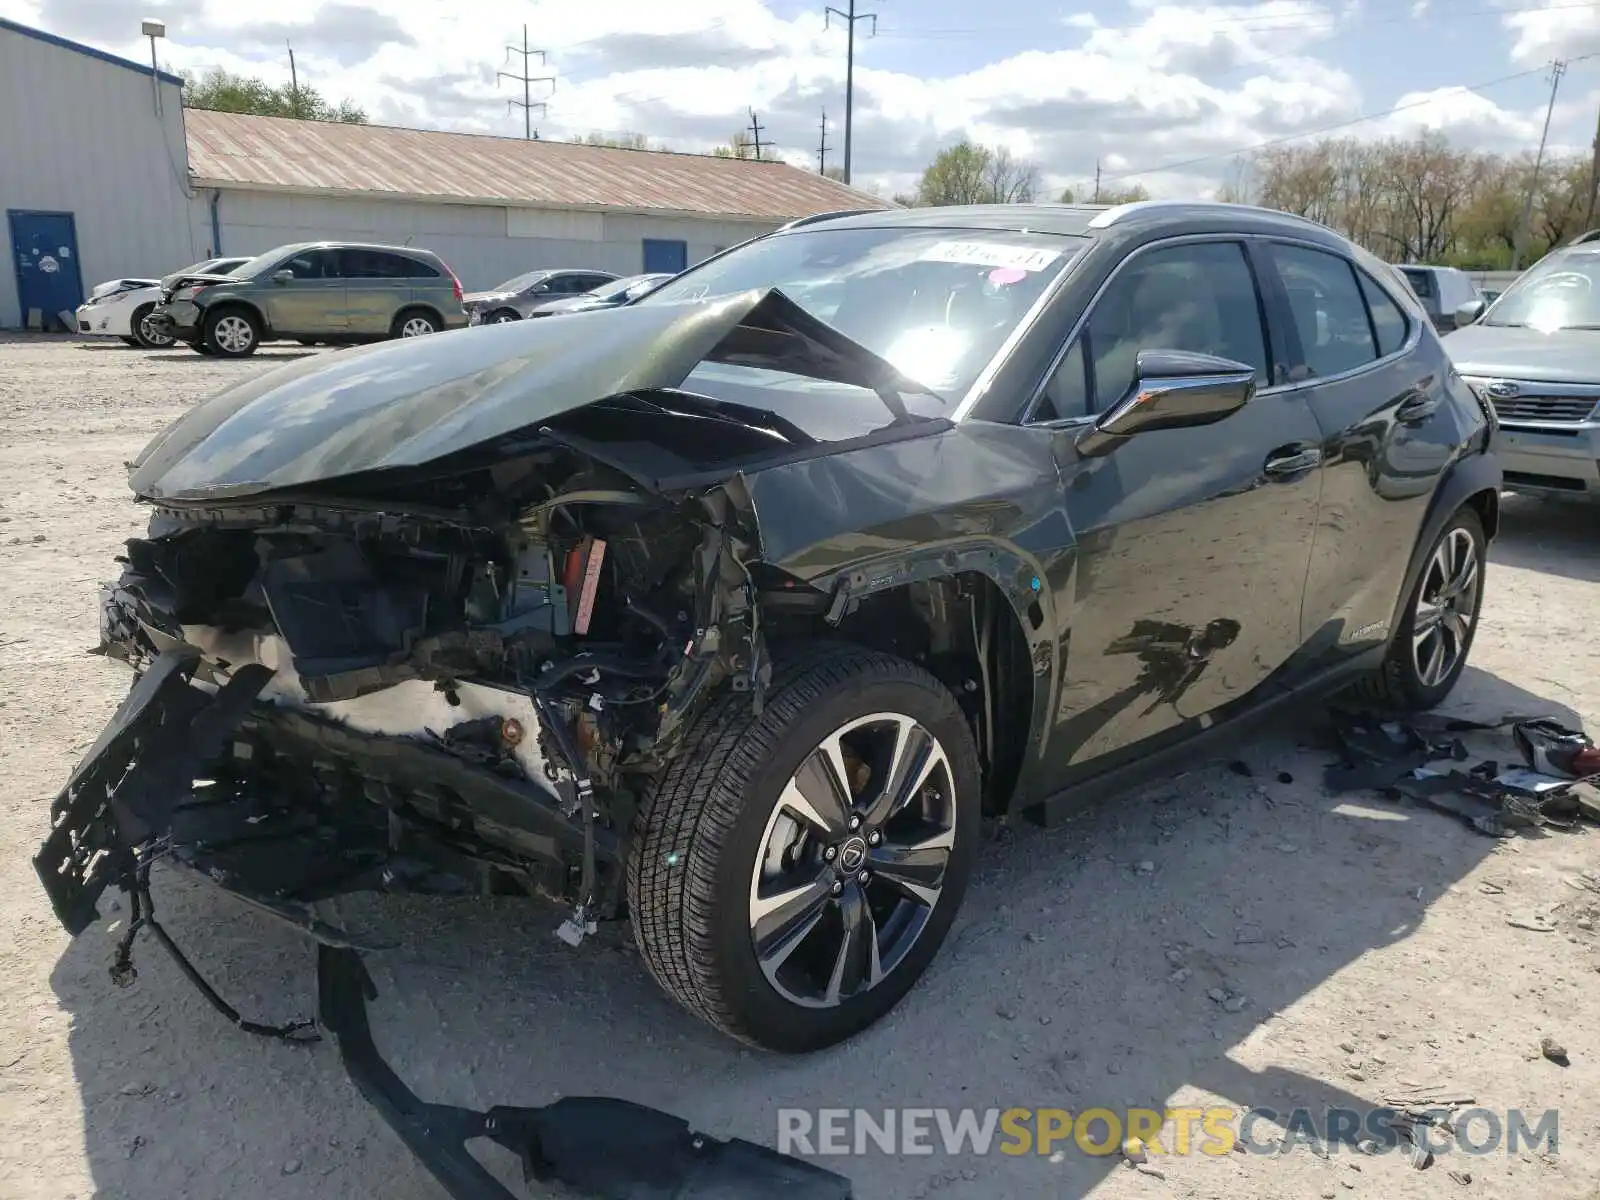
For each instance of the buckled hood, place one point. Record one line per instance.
(410, 401)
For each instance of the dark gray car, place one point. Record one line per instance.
(312, 291)
(523, 295)
(1534, 355)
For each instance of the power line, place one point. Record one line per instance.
(527, 104)
(849, 18)
(1361, 120)
(755, 134)
(822, 145)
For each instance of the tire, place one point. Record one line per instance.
(134, 342)
(232, 333)
(502, 316)
(1404, 683)
(200, 347)
(708, 823)
(415, 322)
(143, 335)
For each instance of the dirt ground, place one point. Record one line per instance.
(1215, 939)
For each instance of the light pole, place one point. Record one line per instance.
(153, 29)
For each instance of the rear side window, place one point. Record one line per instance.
(415, 268)
(1388, 319)
(374, 264)
(1421, 283)
(1330, 316)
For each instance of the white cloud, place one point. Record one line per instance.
(1561, 29)
(1180, 83)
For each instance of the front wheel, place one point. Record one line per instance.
(503, 316)
(792, 874)
(144, 332)
(1430, 647)
(232, 333)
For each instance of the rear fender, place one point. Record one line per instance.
(1472, 476)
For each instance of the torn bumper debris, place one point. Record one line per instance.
(601, 1146)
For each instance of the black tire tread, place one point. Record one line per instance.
(689, 814)
(1388, 688)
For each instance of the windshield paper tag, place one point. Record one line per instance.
(991, 254)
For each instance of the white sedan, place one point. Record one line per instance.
(120, 307)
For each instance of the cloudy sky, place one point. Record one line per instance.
(1163, 94)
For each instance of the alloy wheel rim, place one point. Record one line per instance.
(234, 334)
(416, 327)
(853, 860)
(503, 319)
(1446, 607)
(151, 334)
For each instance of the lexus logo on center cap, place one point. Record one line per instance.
(1504, 389)
(852, 854)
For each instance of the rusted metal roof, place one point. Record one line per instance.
(232, 149)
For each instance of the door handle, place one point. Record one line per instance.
(1291, 461)
(1418, 407)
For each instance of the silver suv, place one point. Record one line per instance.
(1534, 355)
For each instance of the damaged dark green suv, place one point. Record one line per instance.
(336, 292)
(733, 610)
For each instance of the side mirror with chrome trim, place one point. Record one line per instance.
(282, 277)
(1468, 313)
(1172, 389)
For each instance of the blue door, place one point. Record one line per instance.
(44, 248)
(668, 257)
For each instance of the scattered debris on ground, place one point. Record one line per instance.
(1516, 773)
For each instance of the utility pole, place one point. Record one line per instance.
(294, 83)
(755, 134)
(822, 146)
(527, 104)
(849, 18)
(1557, 70)
(1594, 181)
(1097, 181)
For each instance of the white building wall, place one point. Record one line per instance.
(483, 244)
(80, 135)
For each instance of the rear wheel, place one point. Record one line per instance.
(792, 874)
(414, 322)
(144, 333)
(1430, 648)
(232, 333)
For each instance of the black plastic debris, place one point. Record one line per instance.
(1422, 760)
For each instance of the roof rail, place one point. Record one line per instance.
(1116, 213)
(1592, 235)
(826, 216)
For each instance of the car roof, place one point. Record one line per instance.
(296, 247)
(1080, 220)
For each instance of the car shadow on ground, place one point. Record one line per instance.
(268, 352)
(1107, 961)
(1557, 537)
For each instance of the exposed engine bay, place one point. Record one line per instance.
(556, 649)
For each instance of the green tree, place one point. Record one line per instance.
(222, 91)
(967, 173)
(621, 141)
(738, 146)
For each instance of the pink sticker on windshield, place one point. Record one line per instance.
(1001, 276)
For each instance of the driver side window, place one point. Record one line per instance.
(1199, 297)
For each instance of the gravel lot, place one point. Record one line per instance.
(1369, 940)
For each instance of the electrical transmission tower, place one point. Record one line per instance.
(849, 17)
(527, 104)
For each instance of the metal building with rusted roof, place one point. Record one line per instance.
(490, 206)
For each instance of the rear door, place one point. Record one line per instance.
(1192, 544)
(377, 285)
(1374, 380)
(312, 300)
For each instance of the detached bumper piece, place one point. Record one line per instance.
(125, 789)
(599, 1146)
